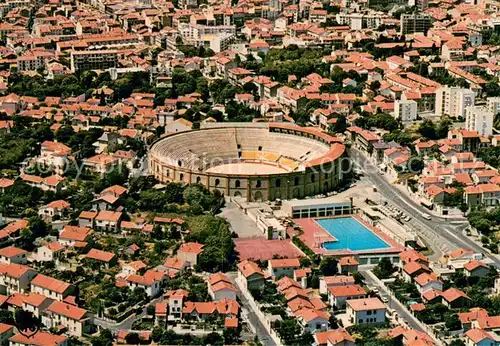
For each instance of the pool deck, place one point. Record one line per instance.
(312, 231)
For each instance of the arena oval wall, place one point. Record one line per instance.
(290, 161)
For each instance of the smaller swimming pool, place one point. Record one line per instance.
(350, 234)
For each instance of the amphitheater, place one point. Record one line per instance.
(255, 161)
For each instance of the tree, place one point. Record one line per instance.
(415, 164)
(174, 193)
(427, 129)
(38, 227)
(340, 125)
(384, 268)
(375, 85)
(288, 330)
(132, 339)
(452, 322)
(231, 336)
(105, 338)
(328, 265)
(457, 342)
(443, 128)
(156, 333)
(150, 310)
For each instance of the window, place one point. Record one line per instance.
(296, 181)
(217, 182)
(237, 184)
(369, 312)
(313, 178)
(260, 148)
(179, 163)
(278, 182)
(198, 180)
(181, 177)
(258, 183)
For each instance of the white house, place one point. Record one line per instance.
(76, 320)
(54, 209)
(366, 311)
(51, 287)
(330, 281)
(108, 220)
(220, 287)
(313, 320)
(338, 295)
(12, 254)
(250, 275)
(426, 282)
(16, 278)
(35, 303)
(49, 252)
(480, 337)
(283, 267)
(150, 282)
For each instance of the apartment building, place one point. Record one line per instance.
(493, 104)
(358, 21)
(453, 101)
(15, 278)
(77, 320)
(480, 119)
(406, 110)
(215, 37)
(93, 60)
(50, 287)
(416, 22)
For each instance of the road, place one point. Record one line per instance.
(371, 280)
(252, 317)
(411, 321)
(438, 232)
(126, 324)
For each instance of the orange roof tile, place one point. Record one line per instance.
(365, 304)
(67, 310)
(100, 255)
(195, 248)
(50, 283)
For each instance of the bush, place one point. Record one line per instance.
(150, 310)
(485, 239)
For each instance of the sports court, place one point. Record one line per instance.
(263, 249)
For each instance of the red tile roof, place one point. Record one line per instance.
(67, 310)
(11, 251)
(365, 304)
(478, 335)
(50, 283)
(231, 322)
(100, 255)
(285, 263)
(195, 248)
(453, 294)
(39, 339)
(347, 291)
(474, 264)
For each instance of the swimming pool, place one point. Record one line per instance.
(350, 234)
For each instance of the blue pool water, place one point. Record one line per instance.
(350, 234)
